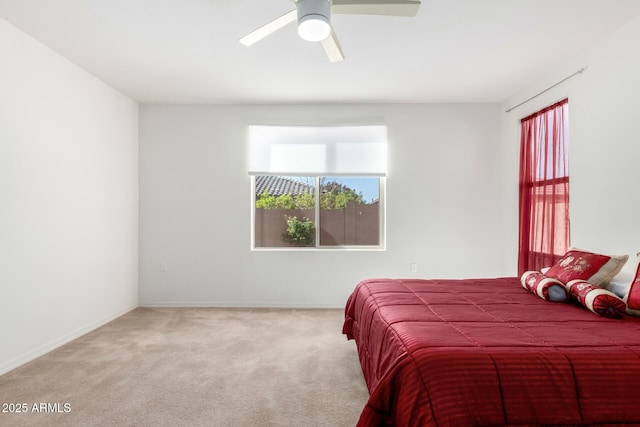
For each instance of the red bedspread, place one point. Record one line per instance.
(485, 352)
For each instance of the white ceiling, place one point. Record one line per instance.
(187, 51)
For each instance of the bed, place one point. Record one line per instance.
(485, 352)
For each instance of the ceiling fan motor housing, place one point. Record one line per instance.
(314, 19)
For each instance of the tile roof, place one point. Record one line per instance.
(277, 185)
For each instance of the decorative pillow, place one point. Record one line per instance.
(633, 295)
(595, 268)
(547, 288)
(598, 300)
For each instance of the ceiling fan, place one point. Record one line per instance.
(314, 23)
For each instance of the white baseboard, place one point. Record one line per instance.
(233, 304)
(52, 345)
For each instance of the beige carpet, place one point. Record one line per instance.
(196, 367)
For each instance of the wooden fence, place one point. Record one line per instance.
(355, 225)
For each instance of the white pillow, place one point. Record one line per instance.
(620, 283)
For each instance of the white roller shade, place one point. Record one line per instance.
(321, 150)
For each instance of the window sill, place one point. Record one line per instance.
(323, 249)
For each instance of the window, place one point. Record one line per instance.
(317, 187)
(544, 188)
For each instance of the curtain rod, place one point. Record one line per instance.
(547, 89)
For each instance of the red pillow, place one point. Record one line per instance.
(547, 288)
(598, 300)
(633, 295)
(582, 265)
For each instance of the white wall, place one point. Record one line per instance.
(68, 200)
(443, 209)
(604, 146)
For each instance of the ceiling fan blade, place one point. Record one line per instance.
(332, 47)
(269, 28)
(376, 7)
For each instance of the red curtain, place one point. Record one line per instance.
(544, 188)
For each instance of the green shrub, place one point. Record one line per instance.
(299, 233)
(286, 201)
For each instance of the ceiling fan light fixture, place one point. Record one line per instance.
(314, 29)
(313, 19)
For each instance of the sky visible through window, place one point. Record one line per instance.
(368, 186)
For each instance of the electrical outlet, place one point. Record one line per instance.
(163, 265)
(414, 267)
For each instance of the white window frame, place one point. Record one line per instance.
(319, 151)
